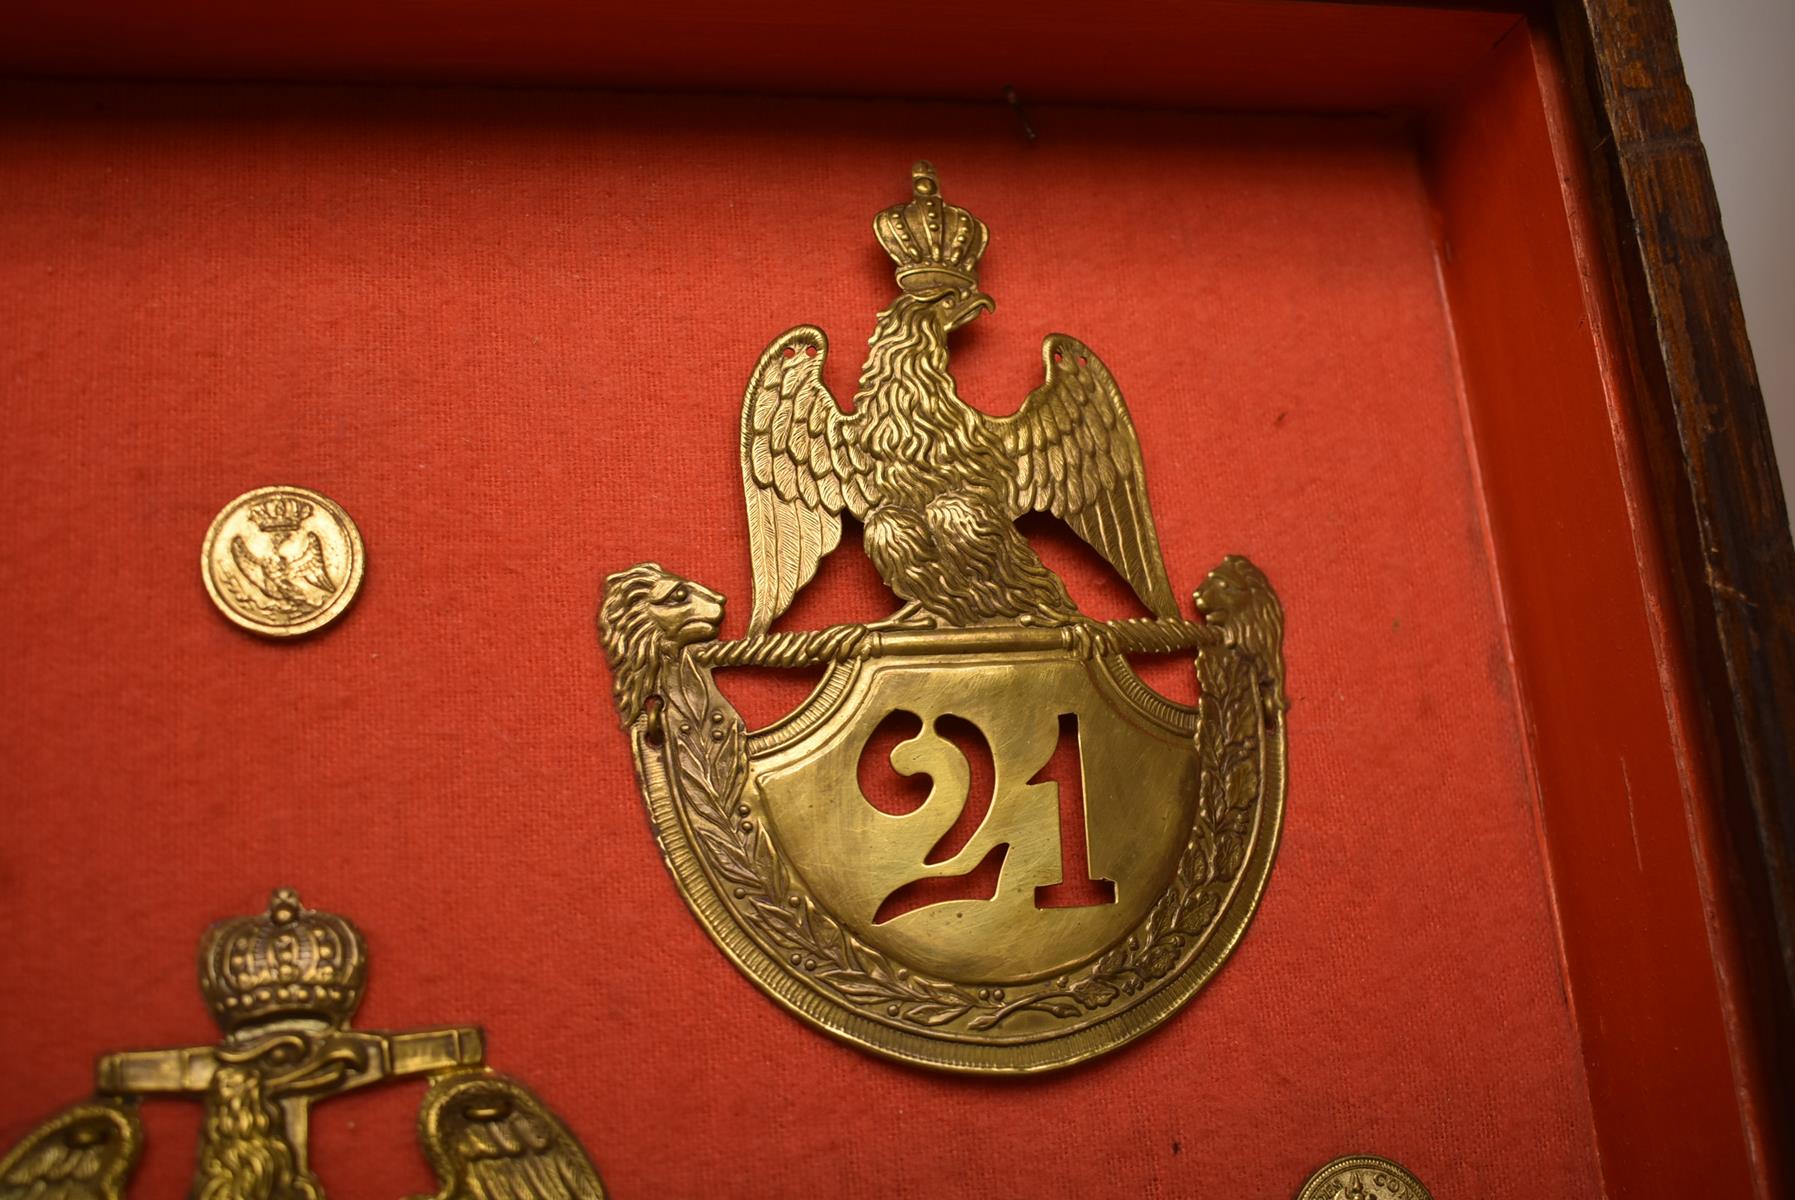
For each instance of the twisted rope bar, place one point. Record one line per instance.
(1140, 635)
(1145, 635)
(784, 649)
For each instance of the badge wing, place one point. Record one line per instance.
(310, 565)
(488, 1136)
(1078, 458)
(248, 565)
(85, 1152)
(802, 467)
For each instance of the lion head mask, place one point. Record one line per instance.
(647, 617)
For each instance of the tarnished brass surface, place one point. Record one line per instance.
(282, 561)
(283, 986)
(1363, 1177)
(489, 1138)
(793, 869)
(85, 1152)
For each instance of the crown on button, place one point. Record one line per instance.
(280, 514)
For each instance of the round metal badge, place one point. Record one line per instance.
(1363, 1177)
(282, 561)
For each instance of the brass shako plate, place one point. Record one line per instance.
(282, 561)
(873, 923)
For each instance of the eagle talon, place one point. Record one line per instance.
(857, 640)
(1092, 639)
(910, 616)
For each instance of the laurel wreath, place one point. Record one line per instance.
(709, 754)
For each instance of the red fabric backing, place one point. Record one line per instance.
(509, 332)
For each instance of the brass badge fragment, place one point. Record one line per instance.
(283, 986)
(863, 920)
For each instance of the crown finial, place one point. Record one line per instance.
(287, 962)
(935, 245)
(280, 514)
(283, 906)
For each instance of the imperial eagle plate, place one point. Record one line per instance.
(996, 923)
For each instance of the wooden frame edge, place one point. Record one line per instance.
(1719, 503)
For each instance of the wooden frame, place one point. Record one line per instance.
(1709, 470)
(1720, 508)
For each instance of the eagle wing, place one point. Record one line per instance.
(85, 1152)
(1077, 457)
(487, 1136)
(310, 566)
(802, 467)
(249, 565)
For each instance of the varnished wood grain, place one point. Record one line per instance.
(1714, 479)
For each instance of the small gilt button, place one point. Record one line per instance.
(1363, 1177)
(282, 561)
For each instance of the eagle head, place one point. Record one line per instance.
(955, 306)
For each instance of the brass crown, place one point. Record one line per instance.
(280, 513)
(934, 244)
(288, 962)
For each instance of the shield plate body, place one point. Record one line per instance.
(791, 866)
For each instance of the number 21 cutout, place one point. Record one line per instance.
(949, 769)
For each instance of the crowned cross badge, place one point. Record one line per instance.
(849, 914)
(283, 986)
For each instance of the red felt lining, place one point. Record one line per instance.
(536, 386)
